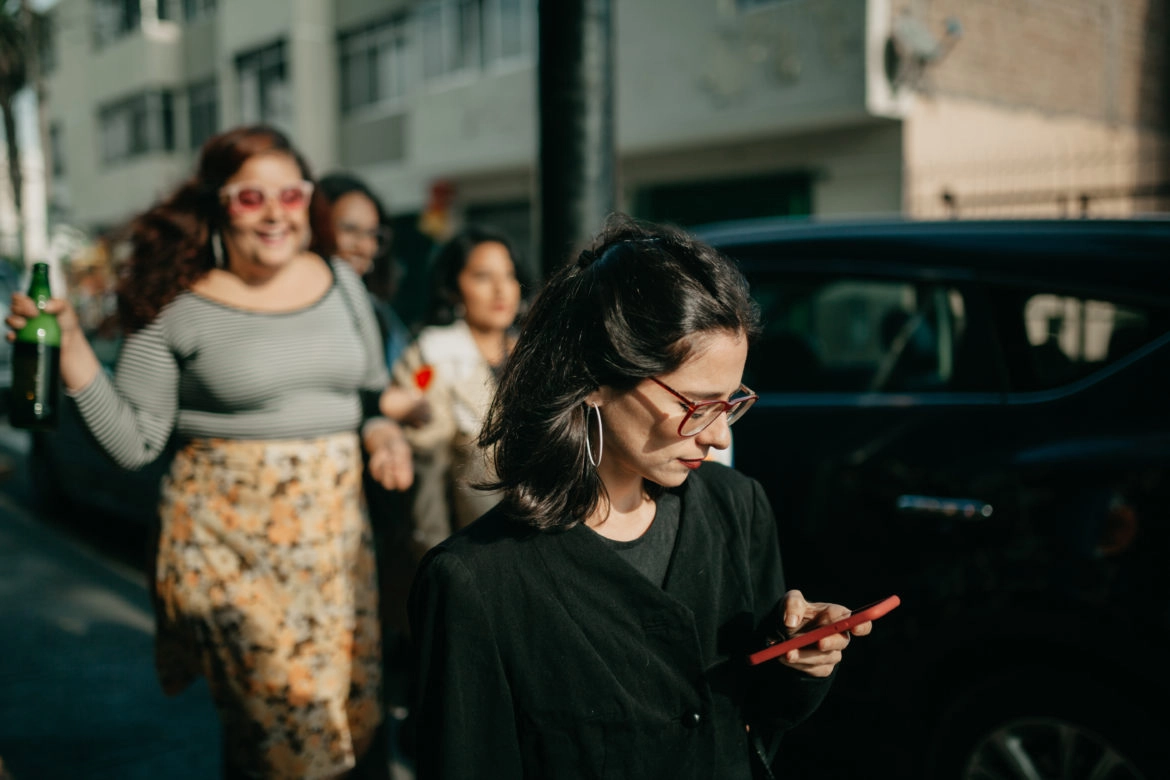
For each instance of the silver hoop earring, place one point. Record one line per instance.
(600, 437)
(217, 250)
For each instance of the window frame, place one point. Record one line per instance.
(197, 10)
(149, 117)
(202, 98)
(460, 51)
(126, 18)
(492, 33)
(270, 65)
(1023, 358)
(978, 351)
(371, 49)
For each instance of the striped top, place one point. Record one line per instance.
(204, 369)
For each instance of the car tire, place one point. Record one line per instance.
(1041, 724)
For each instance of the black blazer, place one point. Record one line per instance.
(545, 655)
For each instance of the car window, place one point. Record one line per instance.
(834, 334)
(1052, 340)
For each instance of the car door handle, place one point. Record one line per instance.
(939, 506)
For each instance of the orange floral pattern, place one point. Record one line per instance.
(265, 584)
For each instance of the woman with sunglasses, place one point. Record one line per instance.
(596, 622)
(253, 362)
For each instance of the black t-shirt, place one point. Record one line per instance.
(650, 553)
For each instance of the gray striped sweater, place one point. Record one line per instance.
(204, 369)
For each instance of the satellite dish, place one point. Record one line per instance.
(912, 48)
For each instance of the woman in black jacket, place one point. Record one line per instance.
(595, 623)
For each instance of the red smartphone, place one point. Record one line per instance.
(870, 612)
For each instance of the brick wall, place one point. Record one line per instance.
(1042, 108)
(1102, 59)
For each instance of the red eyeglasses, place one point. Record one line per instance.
(244, 197)
(700, 414)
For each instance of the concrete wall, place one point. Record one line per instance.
(704, 77)
(997, 160)
(85, 80)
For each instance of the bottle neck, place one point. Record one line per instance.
(38, 288)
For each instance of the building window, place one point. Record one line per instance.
(748, 5)
(113, 19)
(137, 125)
(373, 64)
(56, 151)
(467, 34)
(203, 111)
(450, 36)
(45, 35)
(197, 9)
(168, 10)
(509, 29)
(264, 87)
(717, 200)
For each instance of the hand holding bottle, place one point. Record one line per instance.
(78, 363)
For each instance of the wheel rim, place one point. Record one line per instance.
(1047, 749)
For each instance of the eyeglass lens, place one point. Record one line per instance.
(293, 196)
(380, 235)
(706, 413)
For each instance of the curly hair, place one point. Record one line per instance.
(170, 243)
(627, 309)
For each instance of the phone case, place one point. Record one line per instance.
(862, 615)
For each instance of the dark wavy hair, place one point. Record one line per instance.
(170, 243)
(626, 309)
(450, 260)
(338, 184)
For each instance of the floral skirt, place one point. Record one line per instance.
(265, 584)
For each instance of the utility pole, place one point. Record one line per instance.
(576, 180)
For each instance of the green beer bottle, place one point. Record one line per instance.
(36, 364)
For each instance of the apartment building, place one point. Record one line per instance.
(724, 108)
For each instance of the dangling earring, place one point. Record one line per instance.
(217, 250)
(600, 437)
(459, 310)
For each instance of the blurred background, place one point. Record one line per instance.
(693, 112)
(722, 109)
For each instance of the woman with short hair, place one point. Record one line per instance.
(596, 622)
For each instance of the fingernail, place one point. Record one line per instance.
(791, 621)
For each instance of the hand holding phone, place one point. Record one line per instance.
(839, 626)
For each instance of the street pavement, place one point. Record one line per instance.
(78, 695)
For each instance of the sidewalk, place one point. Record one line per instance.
(78, 696)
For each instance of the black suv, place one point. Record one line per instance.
(974, 416)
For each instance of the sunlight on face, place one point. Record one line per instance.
(356, 227)
(269, 234)
(488, 288)
(641, 424)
